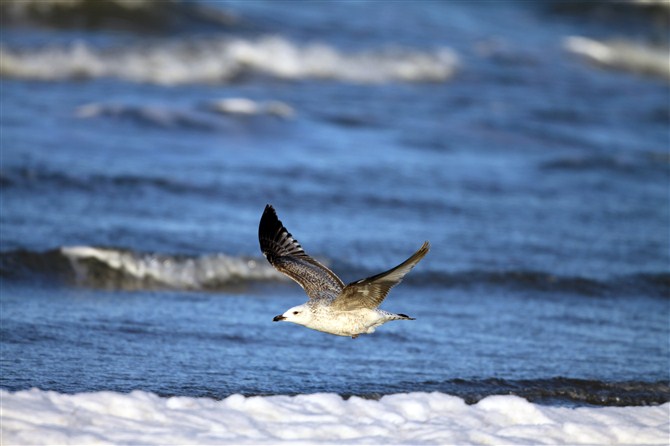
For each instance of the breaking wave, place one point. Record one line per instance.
(223, 60)
(249, 107)
(622, 55)
(114, 268)
(649, 284)
(154, 116)
(193, 118)
(109, 268)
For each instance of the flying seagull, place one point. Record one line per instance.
(333, 307)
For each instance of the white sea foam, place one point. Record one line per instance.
(622, 54)
(40, 417)
(245, 106)
(222, 60)
(119, 268)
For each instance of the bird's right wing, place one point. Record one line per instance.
(287, 256)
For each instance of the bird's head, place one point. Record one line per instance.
(300, 315)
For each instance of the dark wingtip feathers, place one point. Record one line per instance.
(274, 238)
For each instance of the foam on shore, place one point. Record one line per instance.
(42, 417)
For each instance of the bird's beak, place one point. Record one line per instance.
(278, 318)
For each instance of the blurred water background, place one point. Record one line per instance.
(528, 141)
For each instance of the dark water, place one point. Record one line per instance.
(130, 201)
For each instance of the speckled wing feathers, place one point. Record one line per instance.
(370, 293)
(287, 256)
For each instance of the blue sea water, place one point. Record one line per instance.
(137, 155)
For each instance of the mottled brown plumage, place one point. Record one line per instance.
(287, 256)
(332, 307)
(371, 292)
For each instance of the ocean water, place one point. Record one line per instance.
(138, 151)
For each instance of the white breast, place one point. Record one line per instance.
(346, 323)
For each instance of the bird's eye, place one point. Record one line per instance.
(295, 312)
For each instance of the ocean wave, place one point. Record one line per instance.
(110, 268)
(650, 284)
(38, 178)
(115, 268)
(161, 117)
(634, 17)
(223, 60)
(129, 15)
(561, 390)
(45, 417)
(249, 107)
(201, 117)
(623, 55)
(644, 163)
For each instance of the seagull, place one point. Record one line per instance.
(333, 307)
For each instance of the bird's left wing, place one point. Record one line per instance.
(370, 292)
(287, 256)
